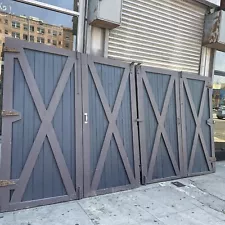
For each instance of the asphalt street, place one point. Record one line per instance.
(219, 129)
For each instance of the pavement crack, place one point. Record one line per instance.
(204, 191)
(91, 219)
(212, 195)
(222, 212)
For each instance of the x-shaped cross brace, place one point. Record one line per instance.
(161, 128)
(112, 127)
(198, 130)
(46, 128)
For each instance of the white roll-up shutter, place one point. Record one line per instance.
(164, 34)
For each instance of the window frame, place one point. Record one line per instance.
(54, 42)
(31, 26)
(26, 36)
(67, 43)
(32, 39)
(49, 7)
(15, 35)
(80, 14)
(25, 25)
(41, 39)
(55, 33)
(40, 30)
(15, 26)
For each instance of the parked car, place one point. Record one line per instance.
(221, 112)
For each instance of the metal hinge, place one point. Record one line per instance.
(12, 50)
(5, 183)
(144, 180)
(209, 86)
(178, 121)
(212, 159)
(140, 167)
(77, 55)
(210, 122)
(138, 120)
(78, 193)
(9, 113)
(131, 67)
(138, 69)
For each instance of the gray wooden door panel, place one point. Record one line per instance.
(160, 127)
(42, 160)
(197, 121)
(110, 135)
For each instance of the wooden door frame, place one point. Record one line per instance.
(91, 186)
(184, 88)
(15, 50)
(142, 82)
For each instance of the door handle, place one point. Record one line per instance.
(85, 118)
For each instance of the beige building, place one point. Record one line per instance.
(34, 30)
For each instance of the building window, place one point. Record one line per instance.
(16, 35)
(25, 37)
(54, 33)
(6, 21)
(60, 42)
(40, 40)
(54, 42)
(32, 28)
(6, 32)
(31, 38)
(15, 24)
(40, 30)
(25, 26)
(60, 33)
(67, 37)
(49, 31)
(67, 45)
(49, 41)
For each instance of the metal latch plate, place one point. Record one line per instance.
(212, 159)
(13, 50)
(209, 86)
(5, 183)
(139, 120)
(9, 113)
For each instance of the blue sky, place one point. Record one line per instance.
(45, 15)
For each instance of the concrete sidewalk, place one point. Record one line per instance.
(201, 201)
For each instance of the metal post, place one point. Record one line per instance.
(212, 63)
(80, 29)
